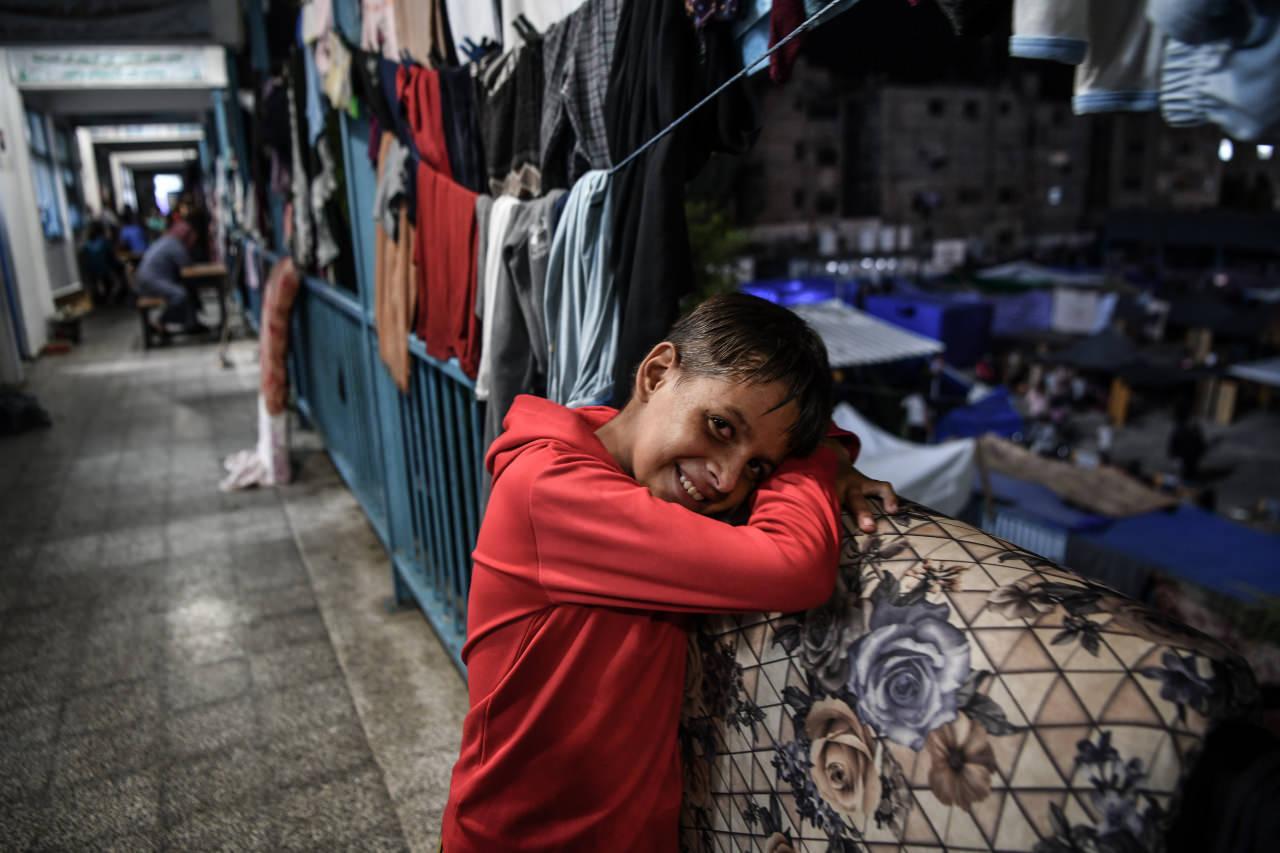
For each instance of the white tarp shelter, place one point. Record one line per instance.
(1028, 274)
(940, 476)
(1265, 372)
(855, 338)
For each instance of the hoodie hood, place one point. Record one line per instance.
(534, 421)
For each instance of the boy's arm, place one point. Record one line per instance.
(602, 539)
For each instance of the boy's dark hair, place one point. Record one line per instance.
(743, 338)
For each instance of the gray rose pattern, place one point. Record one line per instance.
(908, 669)
(888, 668)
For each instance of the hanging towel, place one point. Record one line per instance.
(581, 303)
(446, 259)
(495, 236)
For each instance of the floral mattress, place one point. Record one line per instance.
(957, 693)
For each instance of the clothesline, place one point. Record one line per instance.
(746, 70)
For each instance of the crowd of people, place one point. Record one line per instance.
(124, 256)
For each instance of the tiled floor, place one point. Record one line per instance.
(167, 680)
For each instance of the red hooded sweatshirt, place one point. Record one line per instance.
(576, 652)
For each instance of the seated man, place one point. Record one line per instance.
(160, 274)
(102, 268)
(132, 235)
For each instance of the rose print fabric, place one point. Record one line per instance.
(956, 693)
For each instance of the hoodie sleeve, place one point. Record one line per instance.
(602, 539)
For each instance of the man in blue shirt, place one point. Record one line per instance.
(160, 274)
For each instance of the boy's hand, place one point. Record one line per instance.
(853, 488)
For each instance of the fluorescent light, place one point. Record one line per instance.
(1265, 151)
(1226, 150)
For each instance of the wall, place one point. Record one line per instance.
(17, 195)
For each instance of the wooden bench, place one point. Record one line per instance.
(150, 334)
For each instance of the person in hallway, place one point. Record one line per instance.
(603, 534)
(160, 274)
(917, 417)
(133, 237)
(102, 268)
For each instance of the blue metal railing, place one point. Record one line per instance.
(412, 460)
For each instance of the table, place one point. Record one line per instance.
(195, 276)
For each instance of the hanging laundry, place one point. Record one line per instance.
(302, 244)
(1221, 65)
(659, 71)
(786, 16)
(389, 190)
(378, 28)
(317, 20)
(394, 273)
(446, 259)
(324, 186)
(703, 12)
(333, 64)
(1112, 44)
(577, 52)
(517, 346)
(315, 109)
(489, 272)
(368, 87)
(540, 13)
(446, 227)
(346, 20)
(462, 127)
(422, 33)
(510, 99)
(581, 304)
(472, 19)
(418, 92)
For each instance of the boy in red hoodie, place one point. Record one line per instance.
(602, 530)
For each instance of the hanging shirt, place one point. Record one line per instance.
(575, 651)
(581, 303)
(1112, 44)
(421, 32)
(577, 53)
(462, 127)
(517, 349)
(659, 71)
(510, 95)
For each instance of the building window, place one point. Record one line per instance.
(972, 110)
(1132, 183)
(827, 157)
(797, 199)
(1007, 195)
(800, 151)
(1055, 196)
(825, 204)
(44, 177)
(937, 107)
(969, 195)
(1006, 106)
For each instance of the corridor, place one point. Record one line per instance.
(182, 669)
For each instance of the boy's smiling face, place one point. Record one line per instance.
(700, 441)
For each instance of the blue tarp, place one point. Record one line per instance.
(1199, 547)
(1040, 504)
(1022, 313)
(803, 291)
(964, 327)
(993, 413)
